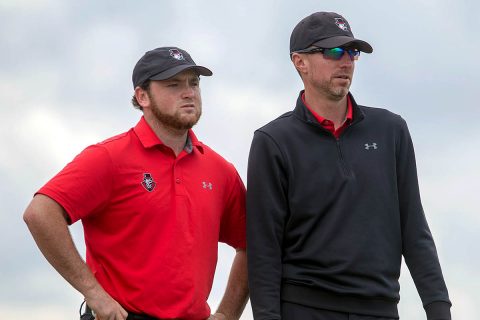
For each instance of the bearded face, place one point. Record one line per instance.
(176, 102)
(183, 118)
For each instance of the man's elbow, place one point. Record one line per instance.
(30, 216)
(43, 211)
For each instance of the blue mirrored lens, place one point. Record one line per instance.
(334, 53)
(337, 53)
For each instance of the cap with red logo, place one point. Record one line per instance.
(325, 30)
(163, 63)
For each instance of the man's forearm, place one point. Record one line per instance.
(236, 293)
(46, 221)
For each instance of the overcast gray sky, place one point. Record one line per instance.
(65, 83)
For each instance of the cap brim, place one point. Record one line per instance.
(202, 71)
(339, 41)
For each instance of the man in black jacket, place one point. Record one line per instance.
(333, 200)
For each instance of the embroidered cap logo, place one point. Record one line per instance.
(176, 54)
(341, 24)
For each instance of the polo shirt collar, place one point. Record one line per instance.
(192, 141)
(149, 139)
(302, 112)
(321, 120)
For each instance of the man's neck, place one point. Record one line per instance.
(173, 138)
(333, 110)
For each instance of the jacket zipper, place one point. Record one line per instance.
(343, 163)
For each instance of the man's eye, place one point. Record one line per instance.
(172, 85)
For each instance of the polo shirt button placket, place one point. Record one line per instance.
(179, 184)
(175, 172)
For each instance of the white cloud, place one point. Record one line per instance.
(48, 312)
(449, 175)
(45, 136)
(101, 51)
(31, 5)
(465, 303)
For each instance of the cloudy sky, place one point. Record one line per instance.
(65, 83)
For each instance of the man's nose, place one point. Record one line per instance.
(189, 91)
(347, 60)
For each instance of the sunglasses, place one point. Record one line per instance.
(334, 53)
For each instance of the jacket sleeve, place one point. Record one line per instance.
(417, 243)
(267, 209)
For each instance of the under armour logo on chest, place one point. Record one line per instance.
(369, 146)
(207, 185)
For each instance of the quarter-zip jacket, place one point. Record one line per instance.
(328, 219)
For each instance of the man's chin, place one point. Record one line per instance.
(186, 123)
(338, 95)
(190, 121)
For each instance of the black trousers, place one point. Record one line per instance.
(293, 311)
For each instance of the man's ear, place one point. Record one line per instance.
(300, 62)
(142, 96)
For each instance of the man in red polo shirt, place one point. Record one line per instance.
(333, 201)
(154, 203)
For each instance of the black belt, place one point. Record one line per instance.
(88, 315)
(133, 316)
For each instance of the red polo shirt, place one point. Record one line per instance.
(152, 221)
(328, 124)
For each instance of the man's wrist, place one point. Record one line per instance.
(438, 310)
(218, 316)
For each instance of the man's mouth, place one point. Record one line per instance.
(342, 76)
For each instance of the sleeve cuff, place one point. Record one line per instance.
(438, 310)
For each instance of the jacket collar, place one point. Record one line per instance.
(302, 112)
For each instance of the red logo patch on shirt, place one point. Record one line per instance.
(148, 182)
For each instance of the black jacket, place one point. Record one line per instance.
(328, 220)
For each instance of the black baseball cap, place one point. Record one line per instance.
(325, 30)
(163, 63)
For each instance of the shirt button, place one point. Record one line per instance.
(177, 180)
